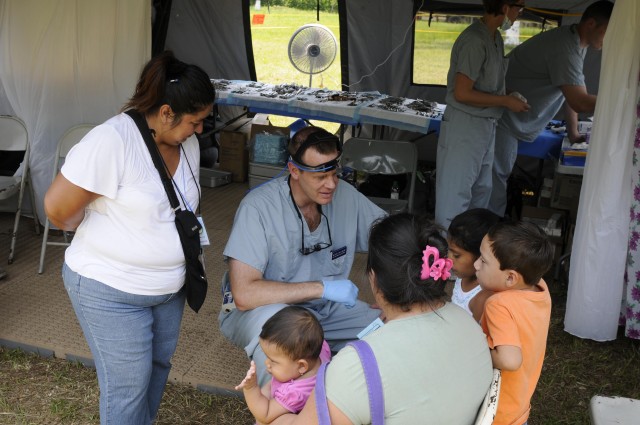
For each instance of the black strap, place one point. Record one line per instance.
(155, 157)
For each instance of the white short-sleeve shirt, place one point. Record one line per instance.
(128, 239)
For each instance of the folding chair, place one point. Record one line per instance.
(390, 157)
(489, 407)
(66, 142)
(14, 137)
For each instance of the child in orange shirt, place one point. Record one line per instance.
(513, 258)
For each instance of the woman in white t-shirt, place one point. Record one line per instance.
(125, 268)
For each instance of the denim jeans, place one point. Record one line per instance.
(132, 338)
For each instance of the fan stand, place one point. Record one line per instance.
(313, 50)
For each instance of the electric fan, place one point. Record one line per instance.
(312, 49)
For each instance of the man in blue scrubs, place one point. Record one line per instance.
(546, 70)
(475, 98)
(293, 241)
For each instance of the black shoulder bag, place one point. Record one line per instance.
(187, 224)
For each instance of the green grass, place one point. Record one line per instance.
(271, 40)
(37, 390)
(433, 44)
(270, 51)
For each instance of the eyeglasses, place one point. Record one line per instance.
(304, 250)
(319, 246)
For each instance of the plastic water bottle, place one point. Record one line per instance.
(395, 190)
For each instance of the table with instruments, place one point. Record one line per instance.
(349, 108)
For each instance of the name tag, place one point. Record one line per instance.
(337, 253)
(204, 238)
(376, 324)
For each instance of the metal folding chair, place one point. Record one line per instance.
(66, 142)
(14, 137)
(390, 157)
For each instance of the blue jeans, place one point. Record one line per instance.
(132, 338)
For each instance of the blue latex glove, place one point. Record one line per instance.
(342, 291)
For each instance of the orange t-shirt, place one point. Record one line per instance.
(519, 318)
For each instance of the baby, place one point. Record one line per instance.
(293, 342)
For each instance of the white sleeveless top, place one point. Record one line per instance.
(461, 298)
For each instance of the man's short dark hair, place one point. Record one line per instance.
(494, 7)
(599, 11)
(523, 247)
(327, 145)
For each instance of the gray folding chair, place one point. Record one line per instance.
(66, 142)
(14, 137)
(390, 157)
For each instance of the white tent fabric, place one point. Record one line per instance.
(68, 62)
(599, 250)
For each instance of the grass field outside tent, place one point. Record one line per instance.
(432, 48)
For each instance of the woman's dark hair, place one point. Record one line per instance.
(295, 331)
(396, 245)
(186, 88)
(467, 229)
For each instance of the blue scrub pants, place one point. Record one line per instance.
(504, 158)
(464, 164)
(340, 325)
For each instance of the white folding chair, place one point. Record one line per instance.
(14, 137)
(66, 142)
(489, 406)
(390, 157)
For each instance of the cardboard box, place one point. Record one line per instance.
(234, 156)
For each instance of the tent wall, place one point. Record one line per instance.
(71, 62)
(214, 35)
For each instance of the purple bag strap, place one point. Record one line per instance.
(372, 378)
(322, 408)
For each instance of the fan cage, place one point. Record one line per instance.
(312, 49)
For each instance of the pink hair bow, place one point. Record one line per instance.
(439, 269)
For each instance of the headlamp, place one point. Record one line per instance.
(315, 138)
(322, 168)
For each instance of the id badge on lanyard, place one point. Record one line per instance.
(204, 238)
